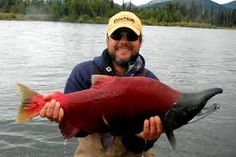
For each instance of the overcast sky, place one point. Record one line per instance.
(138, 2)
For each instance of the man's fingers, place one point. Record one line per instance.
(159, 124)
(153, 128)
(43, 111)
(50, 109)
(156, 128)
(61, 114)
(56, 112)
(146, 129)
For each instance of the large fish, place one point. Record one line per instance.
(119, 105)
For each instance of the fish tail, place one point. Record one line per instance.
(31, 104)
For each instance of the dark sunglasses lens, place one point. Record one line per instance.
(131, 36)
(117, 35)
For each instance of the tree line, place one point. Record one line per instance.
(98, 11)
(177, 12)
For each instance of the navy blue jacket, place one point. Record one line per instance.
(80, 79)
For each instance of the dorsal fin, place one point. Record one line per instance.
(98, 80)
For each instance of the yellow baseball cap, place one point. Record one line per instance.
(124, 19)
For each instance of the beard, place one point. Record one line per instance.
(119, 61)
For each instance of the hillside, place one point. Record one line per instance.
(230, 5)
(203, 4)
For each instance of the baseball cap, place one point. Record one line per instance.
(124, 19)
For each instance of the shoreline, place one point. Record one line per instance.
(102, 20)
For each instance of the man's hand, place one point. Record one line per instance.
(52, 109)
(152, 129)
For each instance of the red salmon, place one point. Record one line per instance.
(119, 105)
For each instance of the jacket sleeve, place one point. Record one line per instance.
(79, 78)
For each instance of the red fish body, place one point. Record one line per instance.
(121, 102)
(119, 105)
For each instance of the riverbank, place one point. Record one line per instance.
(12, 16)
(101, 20)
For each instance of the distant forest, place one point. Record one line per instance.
(99, 11)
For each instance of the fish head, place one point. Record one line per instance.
(185, 109)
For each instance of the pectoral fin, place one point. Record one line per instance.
(171, 137)
(67, 130)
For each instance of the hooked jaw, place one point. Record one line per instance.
(185, 109)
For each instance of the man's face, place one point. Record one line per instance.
(122, 45)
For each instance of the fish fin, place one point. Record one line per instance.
(100, 79)
(171, 137)
(30, 104)
(67, 130)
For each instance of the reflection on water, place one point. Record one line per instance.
(42, 54)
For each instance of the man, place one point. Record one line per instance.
(121, 58)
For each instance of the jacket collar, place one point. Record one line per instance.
(104, 64)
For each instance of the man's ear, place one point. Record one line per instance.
(107, 36)
(141, 38)
(107, 39)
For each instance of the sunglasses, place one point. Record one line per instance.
(119, 34)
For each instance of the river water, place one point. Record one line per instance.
(42, 54)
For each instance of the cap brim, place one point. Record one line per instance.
(114, 28)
